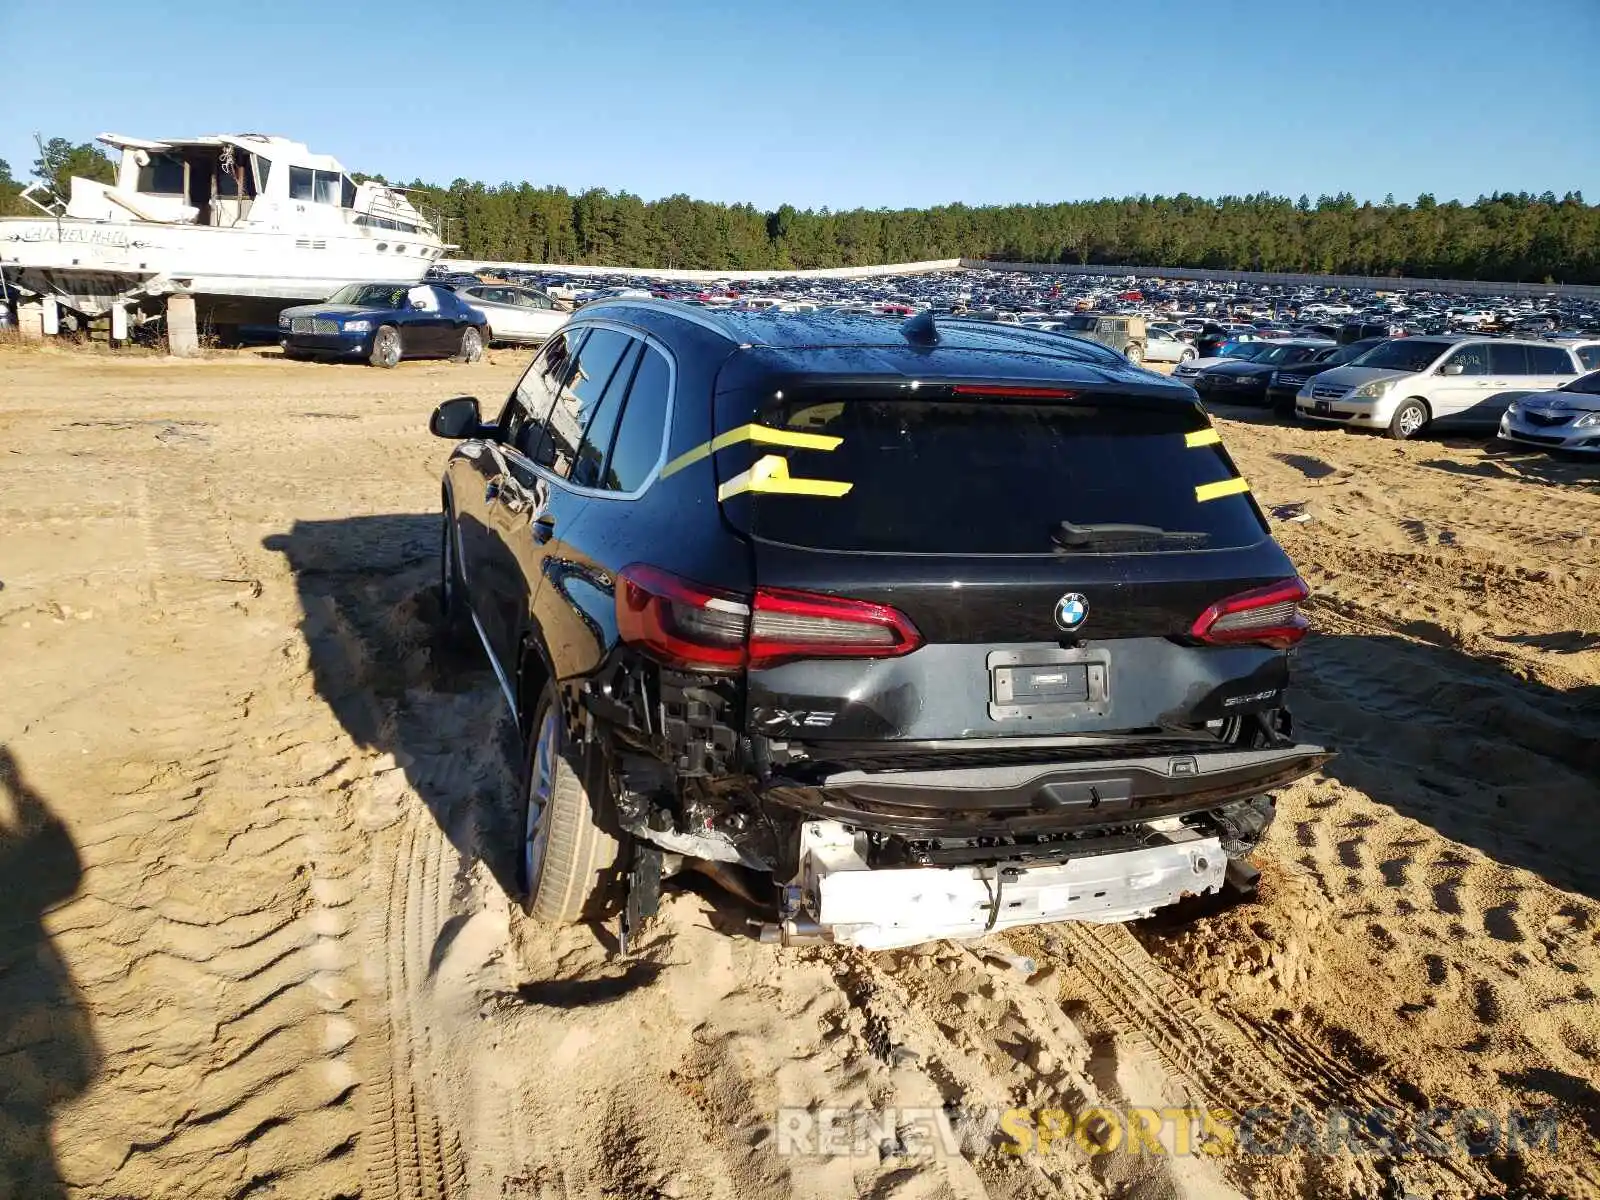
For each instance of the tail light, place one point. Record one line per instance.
(681, 622)
(1037, 393)
(700, 628)
(1267, 616)
(789, 625)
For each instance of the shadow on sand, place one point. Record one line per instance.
(48, 1052)
(368, 590)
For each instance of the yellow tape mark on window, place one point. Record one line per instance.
(763, 434)
(1224, 487)
(771, 474)
(1201, 437)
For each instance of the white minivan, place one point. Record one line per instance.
(1406, 385)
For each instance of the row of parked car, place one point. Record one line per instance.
(383, 323)
(1338, 368)
(1023, 295)
(1540, 392)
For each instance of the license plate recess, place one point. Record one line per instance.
(1048, 682)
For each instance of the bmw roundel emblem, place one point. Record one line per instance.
(1071, 611)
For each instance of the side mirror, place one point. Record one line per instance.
(1451, 369)
(456, 419)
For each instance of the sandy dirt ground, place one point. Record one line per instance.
(253, 940)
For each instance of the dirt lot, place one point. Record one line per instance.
(252, 940)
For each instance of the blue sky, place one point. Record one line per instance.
(880, 103)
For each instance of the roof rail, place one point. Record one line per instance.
(686, 312)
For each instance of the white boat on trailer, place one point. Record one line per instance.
(244, 224)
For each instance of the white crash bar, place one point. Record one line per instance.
(881, 909)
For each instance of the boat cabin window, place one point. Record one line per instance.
(263, 169)
(319, 187)
(162, 174)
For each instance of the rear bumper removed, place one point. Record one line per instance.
(1046, 798)
(839, 898)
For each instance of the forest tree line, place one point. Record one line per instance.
(1505, 236)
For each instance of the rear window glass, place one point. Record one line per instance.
(990, 475)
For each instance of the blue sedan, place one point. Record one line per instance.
(385, 322)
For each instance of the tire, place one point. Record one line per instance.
(387, 349)
(1135, 353)
(453, 619)
(564, 858)
(471, 344)
(1187, 356)
(1410, 419)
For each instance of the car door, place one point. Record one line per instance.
(539, 313)
(543, 500)
(1510, 374)
(492, 303)
(496, 587)
(619, 459)
(1549, 367)
(1453, 392)
(420, 320)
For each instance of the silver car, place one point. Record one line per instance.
(1565, 419)
(515, 314)
(1161, 346)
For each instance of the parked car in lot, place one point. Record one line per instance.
(383, 323)
(1190, 368)
(1162, 346)
(1214, 338)
(1356, 331)
(1587, 350)
(1285, 383)
(515, 314)
(711, 556)
(1409, 384)
(1244, 380)
(1567, 418)
(1123, 333)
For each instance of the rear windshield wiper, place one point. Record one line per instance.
(1070, 537)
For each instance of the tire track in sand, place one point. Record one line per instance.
(408, 1154)
(209, 938)
(1234, 1065)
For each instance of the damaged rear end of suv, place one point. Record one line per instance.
(939, 629)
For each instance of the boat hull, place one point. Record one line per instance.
(236, 274)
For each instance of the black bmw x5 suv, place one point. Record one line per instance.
(944, 627)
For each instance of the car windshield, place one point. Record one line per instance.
(1249, 351)
(1347, 354)
(1402, 354)
(1588, 384)
(1079, 323)
(993, 475)
(386, 294)
(1280, 354)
